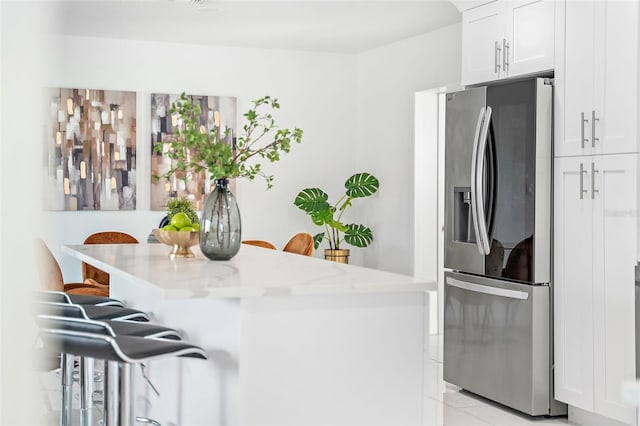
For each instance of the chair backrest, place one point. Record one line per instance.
(301, 243)
(51, 275)
(260, 243)
(48, 268)
(107, 237)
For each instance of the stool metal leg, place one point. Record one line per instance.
(86, 391)
(127, 394)
(66, 371)
(111, 397)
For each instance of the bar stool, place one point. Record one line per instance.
(94, 340)
(87, 312)
(112, 328)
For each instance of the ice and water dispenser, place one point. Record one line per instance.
(463, 229)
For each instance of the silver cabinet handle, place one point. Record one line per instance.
(582, 122)
(593, 180)
(593, 129)
(582, 173)
(505, 55)
(496, 59)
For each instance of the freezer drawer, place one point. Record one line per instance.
(496, 340)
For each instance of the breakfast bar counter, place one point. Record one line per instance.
(292, 340)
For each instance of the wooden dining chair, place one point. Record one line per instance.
(301, 243)
(108, 237)
(51, 275)
(260, 243)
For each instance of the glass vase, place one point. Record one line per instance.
(220, 225)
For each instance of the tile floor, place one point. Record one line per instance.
(445, 404)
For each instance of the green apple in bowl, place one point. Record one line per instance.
(180, 220)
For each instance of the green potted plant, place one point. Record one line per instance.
(314, 202)
(194, 149)
(181, 205)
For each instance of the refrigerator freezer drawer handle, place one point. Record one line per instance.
(494, 291)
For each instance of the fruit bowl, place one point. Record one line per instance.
(180, 240)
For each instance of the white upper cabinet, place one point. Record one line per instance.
(530, 31)
(482, 36)
(597, 81)
(507, 38)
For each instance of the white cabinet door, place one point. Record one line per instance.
(614, 258)
(595, 246)
(530, 29)
(574, 85)
(572, 285)
(616, 77)
(597, 83)
(482, 34)
(507, 38)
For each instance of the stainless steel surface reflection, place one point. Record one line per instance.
(497, 237)
(496, 340)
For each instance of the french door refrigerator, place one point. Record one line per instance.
(497, 295)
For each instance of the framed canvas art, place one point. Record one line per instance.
(218, 114)
(91, 150)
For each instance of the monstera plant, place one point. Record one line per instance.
(315, 202)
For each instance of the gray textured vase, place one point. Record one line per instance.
(220, 225)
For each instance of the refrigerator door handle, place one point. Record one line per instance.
(482, 221)
(494, 291)
(474, 155)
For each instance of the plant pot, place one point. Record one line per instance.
(340, 256)
(220, 225)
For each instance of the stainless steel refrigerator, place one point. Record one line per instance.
(497, 295)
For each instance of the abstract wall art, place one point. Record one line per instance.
(91, 150)
(218, 113)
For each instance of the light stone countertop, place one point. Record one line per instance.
(254, 271)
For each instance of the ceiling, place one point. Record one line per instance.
(344, 26)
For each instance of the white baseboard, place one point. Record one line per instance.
(586, 418)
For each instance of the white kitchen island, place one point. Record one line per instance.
(292, 340)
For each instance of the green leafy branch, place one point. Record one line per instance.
(194, 149)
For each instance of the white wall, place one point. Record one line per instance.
(316, 92)
(387, 80)
(22, 63)
(357, 112)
